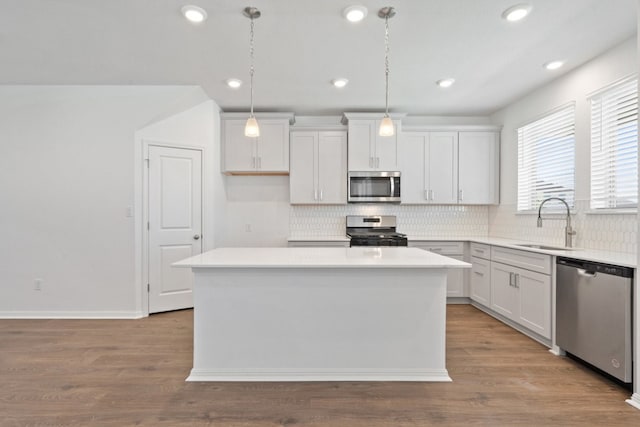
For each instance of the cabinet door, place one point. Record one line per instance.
(480, 281)
(478, 167)
(302, 178)
(386, 149)
(239, 150)
(361, 145)
(534, 311)
(455, 279)
(273, 146)
(412, 165)
(504, 294)
(442, 167)
(332, 167)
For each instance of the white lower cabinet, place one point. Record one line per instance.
(522, 296)
(513, 283)
(318, 244)
(455, 280)
(480, 281)
(456, 283)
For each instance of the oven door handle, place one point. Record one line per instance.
(393, 187)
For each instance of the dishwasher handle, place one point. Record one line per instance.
(586, 273)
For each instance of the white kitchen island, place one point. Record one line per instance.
(319, 314)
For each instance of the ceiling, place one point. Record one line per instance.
(301, 45)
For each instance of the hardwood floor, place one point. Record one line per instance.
(131, 372)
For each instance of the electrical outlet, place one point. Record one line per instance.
(37, 285)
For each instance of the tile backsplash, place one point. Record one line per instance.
(414, 220)
(608, 232)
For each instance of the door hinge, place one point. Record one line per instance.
(148, 288)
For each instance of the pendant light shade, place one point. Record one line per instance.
(251, 129)
(386, 125)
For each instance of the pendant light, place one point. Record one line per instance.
(251, 129)
(386, 125)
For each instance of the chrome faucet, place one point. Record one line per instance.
(568, 231)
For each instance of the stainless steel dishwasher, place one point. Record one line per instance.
(594, 314)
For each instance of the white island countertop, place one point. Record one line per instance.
(356, 257)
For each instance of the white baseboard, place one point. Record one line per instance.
(428, 375)
(634, 400)
(71, 315)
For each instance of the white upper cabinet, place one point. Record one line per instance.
(442, 168)
(478, 168)
(449, 167)
(318, 167)
(368, 151)
(267, 154)
(413, 146)
(429, 166)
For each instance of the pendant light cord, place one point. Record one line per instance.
(251, 69)
(386, 64)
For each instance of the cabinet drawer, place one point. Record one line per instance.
(481, 250)
(442, 248)
(532, 261)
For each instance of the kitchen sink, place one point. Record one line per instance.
(545, 247)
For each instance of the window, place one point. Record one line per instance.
(546, 159)
(614, 147)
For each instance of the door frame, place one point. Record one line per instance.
(143, 275)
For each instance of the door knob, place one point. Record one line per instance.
(196, 237)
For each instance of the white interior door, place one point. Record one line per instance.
(175, 224)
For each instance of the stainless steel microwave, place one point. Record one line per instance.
(374, 187)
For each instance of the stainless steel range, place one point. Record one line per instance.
(374, 231)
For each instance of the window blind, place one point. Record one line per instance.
(614, 147)
(546, 159)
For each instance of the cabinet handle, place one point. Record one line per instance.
(517, 281)
(259, 162)
(478, 273)
(315, 194)
(370, 162)
(432, 195)
(435, 249)
(321, 195)
(426, 194)
(460, 195)
(253, 162)
(511, 279)
(377, 162)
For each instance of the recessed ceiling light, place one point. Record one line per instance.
(553, 65)
(233, 83)
(445, 82)
(517, 12)
(355, 13)
(339, 83)
(194, 14)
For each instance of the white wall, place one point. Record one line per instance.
(608, 232)
(257, 211)
(67, 178)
